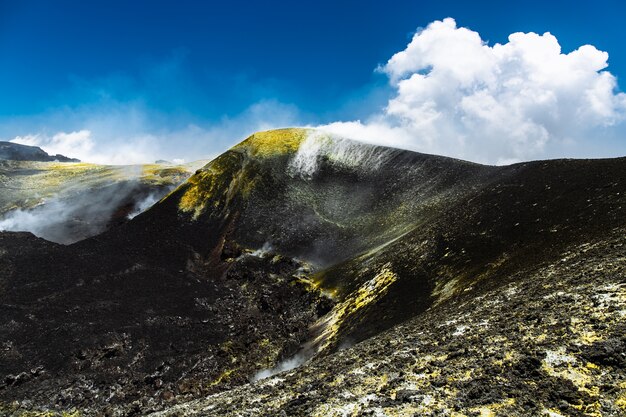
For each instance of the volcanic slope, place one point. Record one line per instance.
(66, 202)
(298, 243)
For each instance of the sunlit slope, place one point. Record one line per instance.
(65, 202)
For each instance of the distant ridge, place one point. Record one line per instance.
(17, 152)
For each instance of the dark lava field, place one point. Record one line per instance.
(302, 274)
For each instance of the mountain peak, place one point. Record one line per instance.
(274, 142)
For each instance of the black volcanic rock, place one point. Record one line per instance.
(16, 152)
(522, 348)
(463, 288)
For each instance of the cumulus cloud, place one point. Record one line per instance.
(451, 93)
(456, 95)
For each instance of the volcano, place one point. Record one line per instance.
(400, 283)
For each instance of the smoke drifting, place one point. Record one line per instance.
(286, 365)
(341, 152)
(68, 218)
(143, 205)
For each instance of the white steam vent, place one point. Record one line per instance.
(339, 151)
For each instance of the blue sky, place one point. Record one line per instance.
(165, 71)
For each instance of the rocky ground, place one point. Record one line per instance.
(550, 341)
(128, 342)
(406, 283)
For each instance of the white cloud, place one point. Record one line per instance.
(525, 99)
(452, 94)
(73, 144)
(131, 134)
(83, 145)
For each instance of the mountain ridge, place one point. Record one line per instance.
(343, 241)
